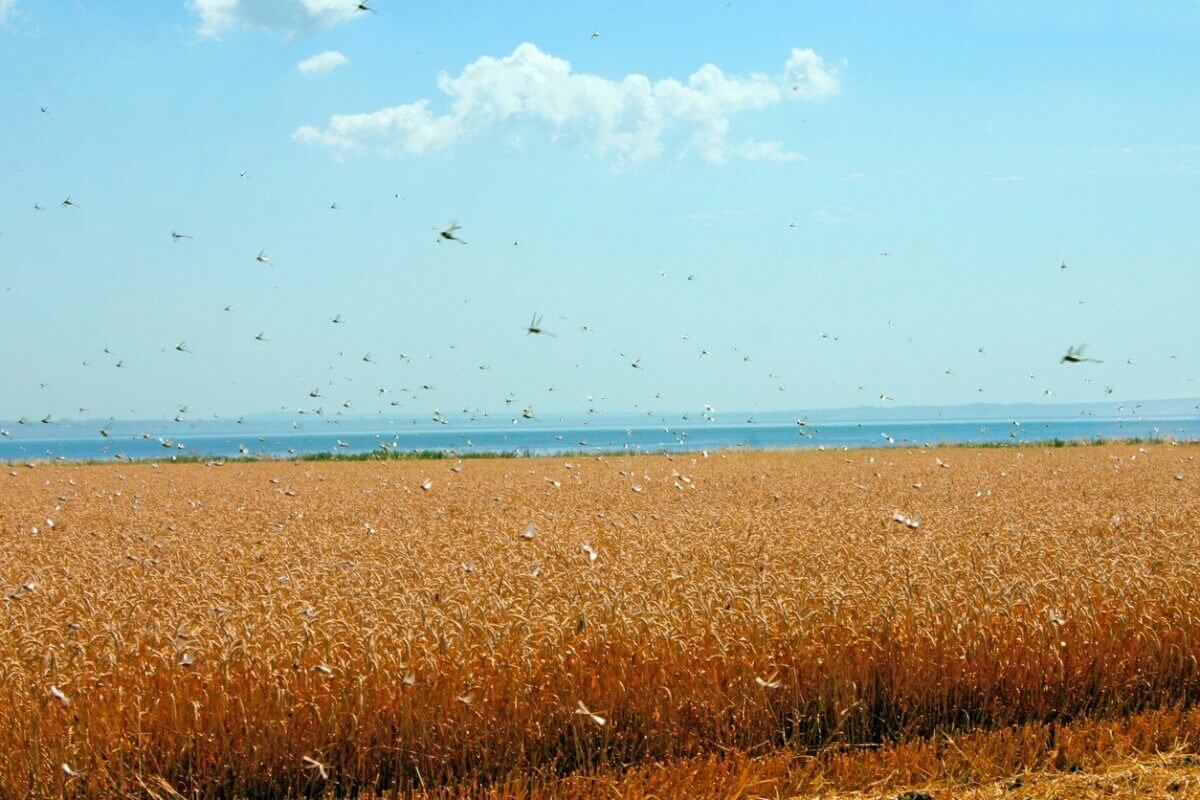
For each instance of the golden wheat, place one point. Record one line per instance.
(283, 629)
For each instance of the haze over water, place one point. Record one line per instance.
(162, 441)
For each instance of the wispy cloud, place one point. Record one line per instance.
(1113, 151)
(828, 215)
(1007, 178)
(724, 213)
(321, 64)
(7, 9)
(629, 120)
(288, 17)
(755, 150)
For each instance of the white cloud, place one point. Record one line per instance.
(288, 17)
(321, 64)
(7, 7)
(767, 151)
(629, 120)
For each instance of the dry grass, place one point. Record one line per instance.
(1094, 759)
(211, 628)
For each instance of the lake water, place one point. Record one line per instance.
(29, 443)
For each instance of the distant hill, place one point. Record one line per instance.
(1180, 407)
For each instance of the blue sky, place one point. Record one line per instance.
(977, 145)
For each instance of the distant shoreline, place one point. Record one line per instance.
(452, 455)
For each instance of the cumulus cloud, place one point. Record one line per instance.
(288, 17)
(630, 120)
(321, 64)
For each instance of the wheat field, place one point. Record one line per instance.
(730, 624)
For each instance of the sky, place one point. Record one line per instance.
(764, 205)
